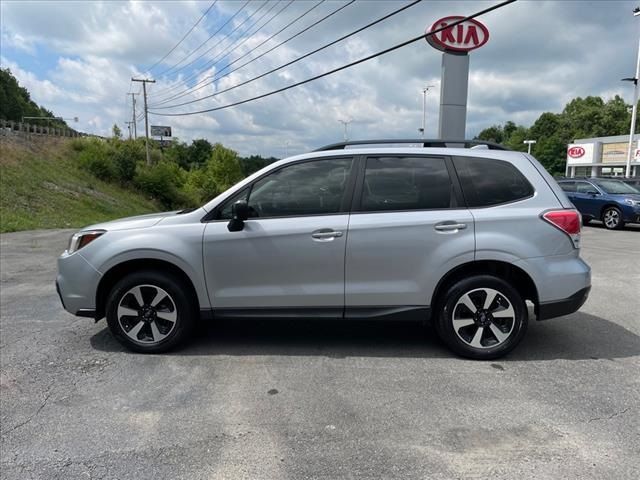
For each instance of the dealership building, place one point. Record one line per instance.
(602, 156)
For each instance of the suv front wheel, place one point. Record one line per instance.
(612, 218)
(149, 312)
(482, 317)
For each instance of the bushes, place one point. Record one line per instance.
(96, 157)
(164, 182)
(124, 161)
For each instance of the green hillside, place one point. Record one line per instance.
(15, 102)
(42, 186)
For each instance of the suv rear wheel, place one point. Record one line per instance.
(482, 317)
(149, 312)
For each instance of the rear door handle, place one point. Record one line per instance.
(450, 226)
(326, 234)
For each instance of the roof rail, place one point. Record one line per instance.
(438, 143)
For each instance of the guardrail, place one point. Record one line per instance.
(9, 127)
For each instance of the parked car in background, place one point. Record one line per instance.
(633, 181)
(461, 237)
(610, 200)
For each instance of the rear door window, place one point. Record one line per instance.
(568, 186)
(406, 183)
(487, 181)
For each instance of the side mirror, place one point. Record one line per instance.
(239, 212)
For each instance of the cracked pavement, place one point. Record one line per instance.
(303, 399)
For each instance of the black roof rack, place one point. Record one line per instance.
(437, 143)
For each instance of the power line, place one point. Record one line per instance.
(203, 43)
(344, 67)
(221, 40)
(344, 37)
(185, 36)
(216, 60)
(228, 49)
(200, 84)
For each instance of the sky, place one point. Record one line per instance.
(77, 59)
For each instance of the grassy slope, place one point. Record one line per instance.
(42, 187)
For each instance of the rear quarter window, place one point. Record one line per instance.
(487, 181)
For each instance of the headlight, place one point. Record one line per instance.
(82, 239)
(633, 203)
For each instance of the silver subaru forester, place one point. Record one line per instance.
(460, 234)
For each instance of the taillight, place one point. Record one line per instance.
(566, 220)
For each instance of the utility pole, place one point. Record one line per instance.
(346, 124)
(144, 82)
(129, 127)
(424, 109)
(133, 118)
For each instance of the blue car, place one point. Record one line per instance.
(612, 201)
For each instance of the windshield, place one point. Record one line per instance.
(616, 186)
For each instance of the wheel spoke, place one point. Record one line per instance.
(169, 316)
(157, 336)
(488, 300)
(506, 313)
(137, 293)
(160, 295)
(499, 334)
(459, 323)
(475, 341)
(466, 300)
(133, 333)
(127, 312)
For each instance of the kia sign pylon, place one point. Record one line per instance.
(455, 42)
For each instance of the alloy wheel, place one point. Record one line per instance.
(147, 314)
(483, 318)
(611, 218)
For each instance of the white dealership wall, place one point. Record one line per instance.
(599, 155)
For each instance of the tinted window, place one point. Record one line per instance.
(490, 182)
(568, 186)
(585, 187)
(406, 183)
(616, 186)
(225, 211)
(309, 188)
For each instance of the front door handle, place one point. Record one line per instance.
(450, 226)
(326, 234)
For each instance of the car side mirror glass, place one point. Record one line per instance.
(239, 213)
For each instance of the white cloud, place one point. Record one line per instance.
(540, 55)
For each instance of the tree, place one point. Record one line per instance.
(117, 133)
(199, 152)
(15, 102)
(580, 118)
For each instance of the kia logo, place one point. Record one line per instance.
(576, 152)
(463, 37)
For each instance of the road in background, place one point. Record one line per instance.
(302, 399)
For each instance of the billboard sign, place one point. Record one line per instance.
(463, 37)
(160, 131)
(614, 152)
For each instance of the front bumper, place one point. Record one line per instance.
(76, 284)
(558, 308)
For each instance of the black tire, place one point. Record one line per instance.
(180, 305)
(492, 347)
(612, 218)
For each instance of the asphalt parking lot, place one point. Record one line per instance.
(298, 399)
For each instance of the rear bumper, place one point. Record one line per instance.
(558, 308)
